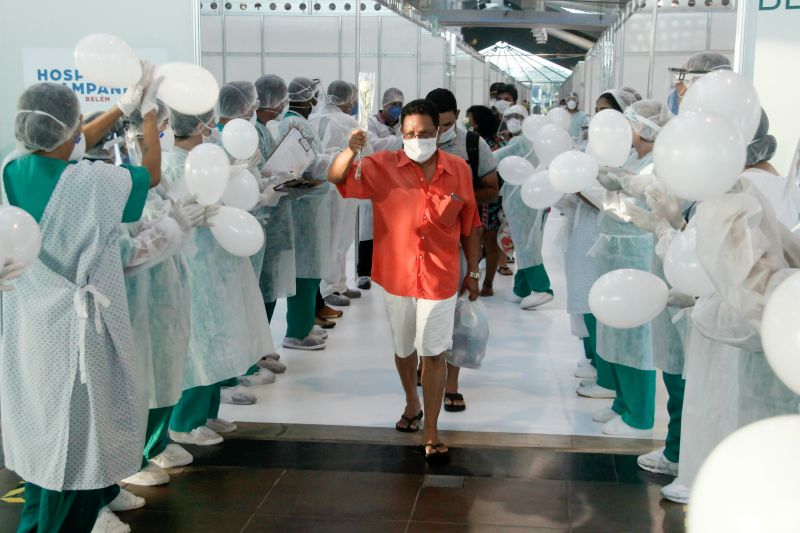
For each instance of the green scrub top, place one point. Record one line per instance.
(31, 180)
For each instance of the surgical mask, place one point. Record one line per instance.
(394, 113)
(492, 102)
(447, 135)
(80, 148)
(253, 119)
(167, 139)
(354, 111)
(673, 101)
(572, 104)
(502, 105)
(419, 150)
(514, 125)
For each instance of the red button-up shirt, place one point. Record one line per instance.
(418, 225)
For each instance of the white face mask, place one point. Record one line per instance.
(167, 139)
(80, 148)
(502, 105)
(572, 104)
(447, 136)
(514, 125)
(419, 150)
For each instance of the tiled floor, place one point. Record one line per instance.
(252, 485)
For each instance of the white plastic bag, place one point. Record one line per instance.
(470, 335)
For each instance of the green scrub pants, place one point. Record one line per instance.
(301, 308)
(73, 511)
(676, 386)
(531, 279)
(605, 377)
(197, 405)
(157, 435)
(636, 395)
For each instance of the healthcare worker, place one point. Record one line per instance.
(526, 225)
(229, 325)
(577, 118)
(311, 217)
(72, 424)
(333, 124)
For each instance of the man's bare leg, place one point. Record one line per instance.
(407, 369)
(433, 378)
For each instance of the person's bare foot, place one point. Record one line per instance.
(411, 419)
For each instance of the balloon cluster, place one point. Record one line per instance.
(20, 238)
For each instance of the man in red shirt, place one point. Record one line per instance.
(424, 205)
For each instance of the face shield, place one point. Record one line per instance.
(678, 82)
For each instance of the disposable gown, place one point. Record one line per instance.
(229, 323)
(157, 283)
(311, 213)
(526, 225)
(278, 270)
(381, 137)
(576, 126)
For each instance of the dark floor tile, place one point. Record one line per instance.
(589, 467)
(622, 507)
(194, 520)
(362, 495)
(9, 517)
(8, 481)
(518, 463)
(504, 502)
(433, 527)
(210, 489)
(290, 524)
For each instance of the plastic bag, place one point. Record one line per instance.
(470, 335)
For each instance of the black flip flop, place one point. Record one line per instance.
(413, 420)
(452, 407)
(435, 455)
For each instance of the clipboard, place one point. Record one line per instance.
(293, 155)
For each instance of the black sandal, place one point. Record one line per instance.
(435, 455)
(410, 421)
(453, 398)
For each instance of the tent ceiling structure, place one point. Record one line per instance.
(524, 66)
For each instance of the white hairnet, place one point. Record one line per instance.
(302, 89)
(189, 125)
(645, 118)
(707, 62)
(342, 93)
(763, 145)
(137, 120)
(622, 97)
(272, 92)
(515, 110)
(636, 94)
(237, 99)
(391, 96)
(47, 114)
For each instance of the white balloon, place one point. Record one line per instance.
(627, 298)
(20, 238)
(237, 231)
(560, 117)
(779, 332)
(206, 172)
(187, 88)
(532, 124)
(610, 136)
(538, 193)
(683, 269)
(240, 138)
(749, 482)
(728, 95)
(107, 60)
(572, 172)
(242, 190)
(699, 156)
(515, 170)
(549, 142)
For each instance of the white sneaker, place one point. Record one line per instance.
(309, 343)
(588, 382)
(317, 331)
(219, 425)
(126, 501)
(107, 522)
(261, 377)
(173, 457)
(273, 365)
(618, 428)
(236, 396)
(273, 355)
(151, 475)
(596, 391)
(535, 299)
(513, 298)
(197, 436)
(657, 463)
(604, 415)
(675, 492)
(337, 300)
(586, 372)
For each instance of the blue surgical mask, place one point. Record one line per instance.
(673, 101)
(354, 112)
(394, 112)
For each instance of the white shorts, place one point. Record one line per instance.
(424, 326)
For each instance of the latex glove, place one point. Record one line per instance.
(188, 214)
(130, 101)
(665, 206)
(150, 98)
(270, 197)
(642, 218)
(209, 212)
(637, 184)
(679, 299)
(610, 178)
(9, 272)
